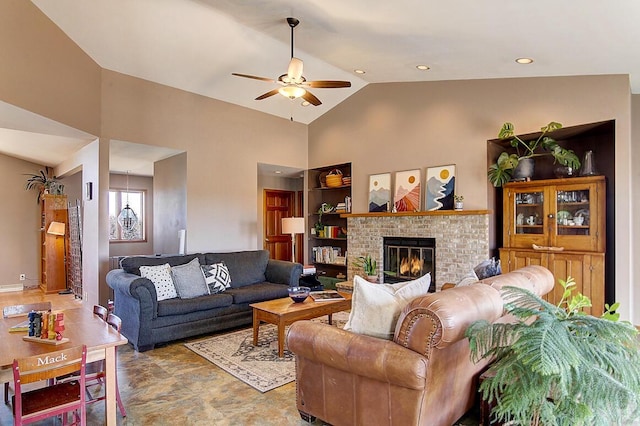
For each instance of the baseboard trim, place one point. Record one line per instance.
(10, 287)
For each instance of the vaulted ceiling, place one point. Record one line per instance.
(195, 45)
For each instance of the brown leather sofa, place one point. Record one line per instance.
(423, 377)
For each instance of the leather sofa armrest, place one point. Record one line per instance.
(283, 272)
(437, 320)
(365, 356)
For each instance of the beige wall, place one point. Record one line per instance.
(145, 183)
(399, 126)
(170, 203)
(19, 224)
(223, 143)
(43, 71)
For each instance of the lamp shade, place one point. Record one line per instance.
(56, 228)
(293, 225)
(291, 91)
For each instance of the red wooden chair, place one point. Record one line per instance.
(96, 370)
(54, 400)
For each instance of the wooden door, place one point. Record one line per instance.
(277, 204)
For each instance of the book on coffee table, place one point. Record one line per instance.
(325, 296)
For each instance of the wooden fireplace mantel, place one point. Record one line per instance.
(425, 213)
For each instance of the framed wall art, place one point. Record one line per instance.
(406, 195)
(440, 187)
(380, 192)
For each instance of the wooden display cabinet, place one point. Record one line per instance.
(53, 274)
(335, 239)
(559, 224)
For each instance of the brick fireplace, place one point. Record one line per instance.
(461, 238)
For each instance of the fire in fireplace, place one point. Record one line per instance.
(408, 258)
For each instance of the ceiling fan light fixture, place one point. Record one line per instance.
(291, 91)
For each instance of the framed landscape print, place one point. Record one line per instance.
(406, 196)
(440, 187)
(379, 192)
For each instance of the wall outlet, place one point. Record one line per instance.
(23, 277)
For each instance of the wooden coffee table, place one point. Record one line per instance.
(284, 312)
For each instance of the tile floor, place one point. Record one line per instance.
(171, 385)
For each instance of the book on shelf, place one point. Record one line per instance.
(325, 296)
(308, 270)
(23, 326)
(328, 254)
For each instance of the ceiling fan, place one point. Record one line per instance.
(293, 83)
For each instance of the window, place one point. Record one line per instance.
(118, 199)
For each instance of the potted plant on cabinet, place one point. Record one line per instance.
(556, 365)
(369, 266)
(520, 165)
(44, 184)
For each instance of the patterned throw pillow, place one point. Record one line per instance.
(217, 277)
(160, 276)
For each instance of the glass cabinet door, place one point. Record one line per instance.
(529, 212)
(573, 212)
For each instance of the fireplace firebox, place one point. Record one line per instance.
(408, 258)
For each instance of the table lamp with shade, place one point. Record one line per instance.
(293, 226)
(59, 230)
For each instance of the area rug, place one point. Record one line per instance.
(258, 366)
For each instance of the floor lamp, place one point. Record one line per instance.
(293, 226)
(59, 230)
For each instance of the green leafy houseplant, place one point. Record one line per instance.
(44, 183)
(555, 365)
(502, 170)
(367, 263)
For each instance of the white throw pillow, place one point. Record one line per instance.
(160, 276)
(468, 279)
(375, 308)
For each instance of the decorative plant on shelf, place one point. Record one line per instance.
(44, 183)
(503, 169)
(368, 264)
(555, 365)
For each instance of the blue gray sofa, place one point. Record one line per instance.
(147, 321)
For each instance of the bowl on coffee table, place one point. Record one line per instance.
(299, 294)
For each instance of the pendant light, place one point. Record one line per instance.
(127, 218)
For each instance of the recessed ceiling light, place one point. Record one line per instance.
(524, 60)
(305, 103)
(278, 172)
(359, 71)
(423, 67)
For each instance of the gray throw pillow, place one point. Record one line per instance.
(189, 280)
(217, 277)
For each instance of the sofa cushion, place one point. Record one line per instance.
(245, 267)
(188, 280)
(375, 308)
(186, 306)
(488, 268)
(132, 264)
(258, 292)
(160, 276)
(217, 277)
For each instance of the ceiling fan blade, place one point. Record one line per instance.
(310, 97)
(327, 84)
(266, 95)
(270, 80)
